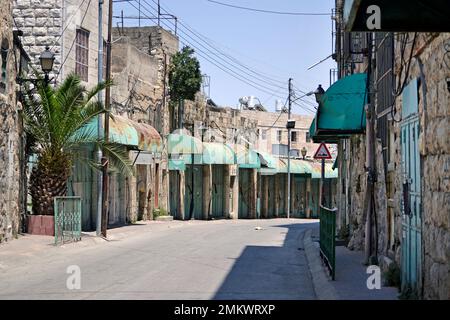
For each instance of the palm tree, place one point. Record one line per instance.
(56, 122)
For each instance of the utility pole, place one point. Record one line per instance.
(370, 163)
(99, 118)
(289, 153)
(105, 182)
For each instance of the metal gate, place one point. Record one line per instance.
(327, 238)
(197, 189)
(299, 197)
(67, 219)
(244, 193)
(411, 215)
(217, 191)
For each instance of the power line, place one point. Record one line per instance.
(73, 42)
(270, 11)
(212, 60)
(68, 23)
(257, 75)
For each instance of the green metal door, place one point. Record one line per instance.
(411, 213)
(80, 184)
(197, 189)
(217, 191)
(282, 178)
(173, 189)
(299, 197)
(271, 206)
(244, 193)
(315, 193)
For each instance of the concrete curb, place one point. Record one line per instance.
(322, 287)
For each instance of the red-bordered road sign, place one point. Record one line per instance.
(322, 152)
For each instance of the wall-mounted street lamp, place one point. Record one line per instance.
(304, 152)
(46, 59)
(319, 93)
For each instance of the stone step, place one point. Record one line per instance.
(164, 218)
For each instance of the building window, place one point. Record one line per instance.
(308, 138)
(263, 134)
(82, 54)
(279, 135)
(4, 62)
(294, 136)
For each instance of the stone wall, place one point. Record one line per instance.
(434, 143)
(9, 133)
(140, 64)
(41, 23)
(54, 23)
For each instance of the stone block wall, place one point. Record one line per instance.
(54, 23)
(9, 133)
(432, 57)
(41, 22)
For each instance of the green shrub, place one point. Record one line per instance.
(158, 212)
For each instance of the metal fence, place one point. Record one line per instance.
(67, 219)
(327, 238)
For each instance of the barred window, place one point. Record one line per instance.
(82, 54)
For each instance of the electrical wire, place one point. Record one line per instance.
(241, 68)
(68, 23)
(269, 11)
(73, 42)
(213, 61)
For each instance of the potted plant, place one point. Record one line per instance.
(56, 123)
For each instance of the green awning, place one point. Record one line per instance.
(217, 153)
(341, 111)
(121, 130)
(182, 144)
(296, 167)
(246, 158)
(177, 164)
(317, 170)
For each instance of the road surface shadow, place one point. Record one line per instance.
(271, 272)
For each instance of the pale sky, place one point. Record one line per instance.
(264, 50)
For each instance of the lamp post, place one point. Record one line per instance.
(304, 152)
(319, 95)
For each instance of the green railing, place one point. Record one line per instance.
(67, 219)
(327, 238)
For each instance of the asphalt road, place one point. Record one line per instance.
(192, 260)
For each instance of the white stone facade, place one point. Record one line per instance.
(54, 23)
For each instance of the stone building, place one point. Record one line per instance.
(12, 61)
(140, 75)
(422, 115)
(272, 135)
(69, 28)
(410, 97)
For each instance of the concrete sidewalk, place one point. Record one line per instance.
(350, 277)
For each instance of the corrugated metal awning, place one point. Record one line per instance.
(217, 153)
(246, 158)
(341, 110)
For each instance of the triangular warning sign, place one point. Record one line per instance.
(322, 152)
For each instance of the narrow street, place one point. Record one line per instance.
(222, 259)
